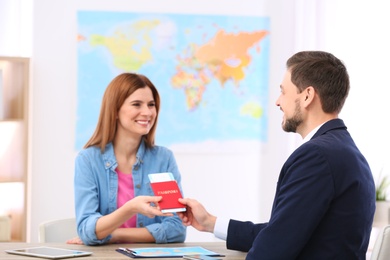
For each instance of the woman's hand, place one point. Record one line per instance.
(146, 205)
(75, 240)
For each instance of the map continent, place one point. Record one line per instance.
(215, 59)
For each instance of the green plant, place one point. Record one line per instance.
(381, 188)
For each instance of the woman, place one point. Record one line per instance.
(111, 172)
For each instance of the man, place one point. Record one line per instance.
(325, 196)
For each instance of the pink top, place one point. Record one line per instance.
(126, 193)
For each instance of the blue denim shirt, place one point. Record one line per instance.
(96, 186)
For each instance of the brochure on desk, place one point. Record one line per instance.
(165, 252)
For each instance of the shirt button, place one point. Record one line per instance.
(141, 224)
(108, 164)
(136, 168)
(138, 186)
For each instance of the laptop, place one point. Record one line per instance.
(48, 252)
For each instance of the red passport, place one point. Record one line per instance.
(170, 192)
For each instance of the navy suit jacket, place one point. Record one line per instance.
(323, 207)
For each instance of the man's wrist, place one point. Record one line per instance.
(211, 228)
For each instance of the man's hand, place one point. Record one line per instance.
(197, 216)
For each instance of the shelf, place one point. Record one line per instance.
(12, 150)
(14, 206)
(14, 93)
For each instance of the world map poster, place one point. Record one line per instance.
(212, 73)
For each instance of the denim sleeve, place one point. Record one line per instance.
(170, 230)
(87, 201)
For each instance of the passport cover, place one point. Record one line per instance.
(170, 192)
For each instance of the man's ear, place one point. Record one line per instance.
(309, 94)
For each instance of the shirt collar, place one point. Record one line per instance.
(311, 134)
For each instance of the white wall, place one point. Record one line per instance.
(15, 27)
(238, 185)
(358, 32)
